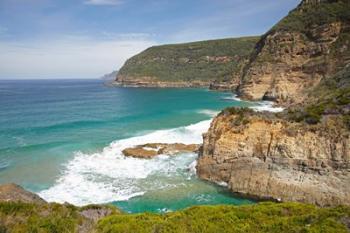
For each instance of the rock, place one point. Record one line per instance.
(146, 81)
(151, 150)
(140, 152)
(291, 60)
(96, 212)
(271, 158)
(15, 193)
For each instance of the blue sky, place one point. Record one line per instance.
(87, 38)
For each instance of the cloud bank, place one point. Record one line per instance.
(68, 57)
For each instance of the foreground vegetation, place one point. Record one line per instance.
(20, 217)
(263, 217)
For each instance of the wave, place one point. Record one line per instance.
(208, 112)
(4, 163)
(233, 97)
(259, 106)
(109, 176)
(266, 106)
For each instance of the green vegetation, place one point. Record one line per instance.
(19, 217)
(200, 61)
(263, 217)
(307, 15)
(331, 97)
(242, 115)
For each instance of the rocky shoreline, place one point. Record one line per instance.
(267, 157)
(301, 63)
(150, 150)
(158, 84)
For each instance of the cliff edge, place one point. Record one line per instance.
(268, 157)
(311, 43)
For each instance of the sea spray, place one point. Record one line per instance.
(110, 176)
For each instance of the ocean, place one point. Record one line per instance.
(63, 140)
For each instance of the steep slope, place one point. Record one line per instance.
(190, 64)
(302, 154)
(311, 43)
(269, 157)
(330, 98)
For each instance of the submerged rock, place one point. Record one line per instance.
(151, 150)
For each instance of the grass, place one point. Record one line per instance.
(191, 61)
(16, 217)
(263, 217)
(307, 15)
(21, 217)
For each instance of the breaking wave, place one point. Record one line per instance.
(109, 176)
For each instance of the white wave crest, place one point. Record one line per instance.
(110, 176)
(266, 106)
(208, 112)
(233, 97)
(258, 106)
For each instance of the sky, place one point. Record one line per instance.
(53, 39)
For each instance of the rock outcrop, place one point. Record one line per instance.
(15, 193)
(311, 43)
(150, 150)
(146, 81)
(268, 157)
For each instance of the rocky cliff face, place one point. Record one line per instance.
(269, 157)
(15, 193)
(311, 43)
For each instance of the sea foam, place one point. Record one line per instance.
(109, 176)
(266, 106)
(208, 112)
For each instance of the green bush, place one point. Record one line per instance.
(263, 217)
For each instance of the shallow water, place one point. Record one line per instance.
(63, 140)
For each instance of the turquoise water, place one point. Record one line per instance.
(63, 140)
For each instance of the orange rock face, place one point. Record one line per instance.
(276, 159)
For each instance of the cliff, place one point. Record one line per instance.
(269, 157)
(301, 154)
(263, 217)
(199, 64)
(311, 43)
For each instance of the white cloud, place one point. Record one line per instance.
(68, 57)
(103, 2)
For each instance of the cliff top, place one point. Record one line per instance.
(314, 12)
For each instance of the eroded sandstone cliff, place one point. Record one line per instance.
(311, 43)
(269, 157)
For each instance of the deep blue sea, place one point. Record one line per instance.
(63, 139)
